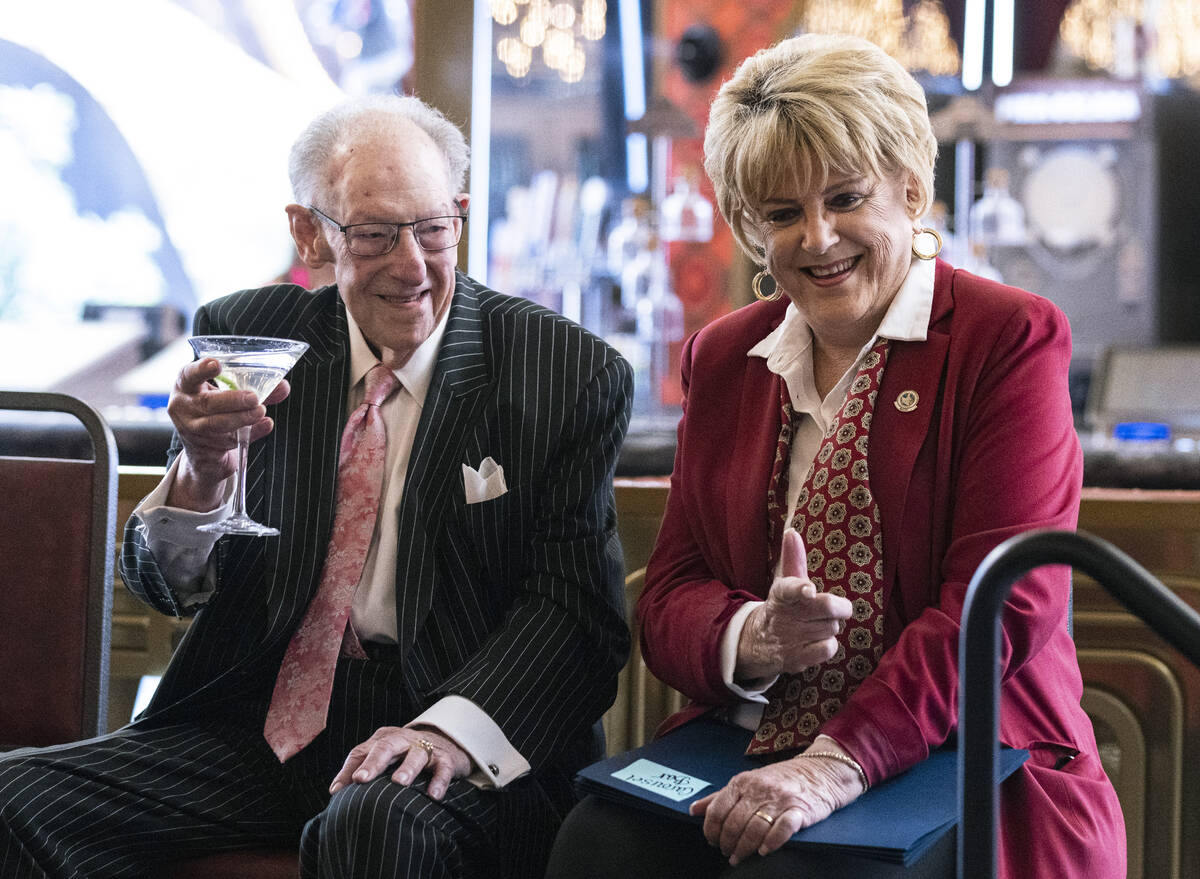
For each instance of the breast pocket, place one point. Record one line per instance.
(489, 528)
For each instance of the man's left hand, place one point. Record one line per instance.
(422, 749)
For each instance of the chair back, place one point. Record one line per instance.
(643, 701)
(57, 547)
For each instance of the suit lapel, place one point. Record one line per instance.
(457, 395)
(301, 470)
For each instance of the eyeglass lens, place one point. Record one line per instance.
(374, 239)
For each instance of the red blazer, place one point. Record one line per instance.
(990, 451)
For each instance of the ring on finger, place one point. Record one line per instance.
(759, 813)
(426, 745)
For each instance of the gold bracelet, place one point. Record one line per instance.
(842, 758)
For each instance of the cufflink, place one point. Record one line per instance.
(494, 769)
(907, 401)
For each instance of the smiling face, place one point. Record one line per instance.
(392, 174)
(839, 249)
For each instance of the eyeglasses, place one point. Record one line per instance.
(376, 239)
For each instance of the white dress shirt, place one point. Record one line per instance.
(183, 552)
(788, 352)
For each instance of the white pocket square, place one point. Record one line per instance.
(484, 484)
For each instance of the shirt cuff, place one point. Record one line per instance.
(173, 537)
(496, 761)
(753, 691)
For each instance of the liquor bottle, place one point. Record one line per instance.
(997, 219)
(628, 236)
(660, 325)
(657, 325)
(686, 214)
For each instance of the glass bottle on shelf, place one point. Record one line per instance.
(997, 219)
(686, 214)
(628, 235)
(652, 328)
(594, 284)
(977, 263)
(660, 326)
(629, 266)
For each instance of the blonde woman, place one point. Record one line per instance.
(851, 448)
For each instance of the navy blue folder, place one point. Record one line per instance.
(896, 821)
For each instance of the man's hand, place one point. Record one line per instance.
(207, 421)
(796, 627)
(444, 759)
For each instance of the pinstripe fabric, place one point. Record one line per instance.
(60, 806)
(514, 603)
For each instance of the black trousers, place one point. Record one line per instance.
(118, 805)
(602, 840)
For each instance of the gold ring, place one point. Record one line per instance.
(761, 814)
(427, 745)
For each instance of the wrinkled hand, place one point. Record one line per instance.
(796, 793)
(446, 761)
(207, 420)
(796, 627)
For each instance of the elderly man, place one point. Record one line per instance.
(467, 575)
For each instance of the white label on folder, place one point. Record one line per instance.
(661, 779)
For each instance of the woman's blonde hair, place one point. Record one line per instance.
(809, 108)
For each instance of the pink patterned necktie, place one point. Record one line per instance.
(300, 702)
(837, 516)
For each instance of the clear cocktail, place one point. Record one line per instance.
(249, 363)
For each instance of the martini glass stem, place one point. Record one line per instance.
(239, 497)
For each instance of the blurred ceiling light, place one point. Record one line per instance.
(562, 16)
(561, 30)
(919, 39)
(348, 44)
(504, 11)
(1128, 37)
(515, 55)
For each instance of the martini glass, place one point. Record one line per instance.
(248, 363)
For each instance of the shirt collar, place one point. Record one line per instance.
(416, 375)
(907, 320)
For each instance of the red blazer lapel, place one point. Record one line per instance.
(753, 451)
(904, 414)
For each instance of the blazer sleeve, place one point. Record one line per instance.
(139, 569)
(1010, 460)
(695, 580)
(549, 669)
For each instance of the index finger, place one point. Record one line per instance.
(279, 392)
(833, 606)
(197, 374)
(801, 600)
(345, 774)
(380, 756)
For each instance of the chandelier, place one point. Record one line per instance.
(560, 31)
(1164, 33)
(920, 39)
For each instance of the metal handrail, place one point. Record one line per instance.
(979, 660)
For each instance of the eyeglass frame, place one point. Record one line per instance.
(345, 230)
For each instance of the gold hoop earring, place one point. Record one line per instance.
(756, 284)
(926, 230)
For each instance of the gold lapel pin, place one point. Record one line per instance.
(907, 401)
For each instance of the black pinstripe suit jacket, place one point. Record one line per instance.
(515, 603)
